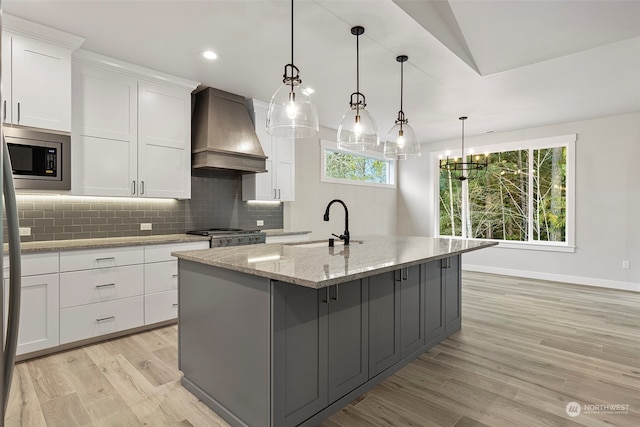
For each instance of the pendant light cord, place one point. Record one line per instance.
(401, 84)
(292, 63)
(292, 32)
(462, 154)
(358, 72)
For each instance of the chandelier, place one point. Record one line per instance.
(467, 170)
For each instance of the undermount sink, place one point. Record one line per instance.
(324, 243)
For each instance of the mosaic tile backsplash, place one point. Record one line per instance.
(216, 201)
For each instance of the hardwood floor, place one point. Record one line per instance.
(527, 348)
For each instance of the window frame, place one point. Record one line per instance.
(333, 146)
(568, 141)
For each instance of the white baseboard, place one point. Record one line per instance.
(577, 280)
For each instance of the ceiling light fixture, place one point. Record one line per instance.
(357, 130)
(292, 114)
(209, 54)
(466, 170)
(401, 142)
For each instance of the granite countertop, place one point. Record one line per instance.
(315, 265)
(283, 232)
(107, 242)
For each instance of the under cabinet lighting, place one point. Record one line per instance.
(264, 202)
(81, 199)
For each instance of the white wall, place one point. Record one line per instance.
(607, 205)
(372, 210)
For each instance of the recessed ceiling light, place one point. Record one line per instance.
(209, 54)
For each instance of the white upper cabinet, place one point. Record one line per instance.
(131, 135)
(278, 183)
(164, 141)
(36, 75)
(104, 157)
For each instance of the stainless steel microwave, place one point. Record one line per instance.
(40, 160)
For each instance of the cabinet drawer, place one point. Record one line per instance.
(157, 253)
(160, 306)
(98, 258)
(32, 264)
(100, 284)
(160, 276)
(92, 320)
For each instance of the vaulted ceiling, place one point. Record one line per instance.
(506, 64)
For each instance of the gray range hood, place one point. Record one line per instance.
(223, 135)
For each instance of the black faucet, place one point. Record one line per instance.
(344, 236)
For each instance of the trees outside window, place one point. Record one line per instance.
(521, 196)
(356, 168)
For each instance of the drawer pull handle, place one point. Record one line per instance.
(105, 285)
(175, 275)
(103, 319)
(175, 305)
(106, 258)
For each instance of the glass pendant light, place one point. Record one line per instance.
(401, 142)
(357, 130)
(292, 112)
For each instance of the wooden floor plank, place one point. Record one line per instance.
(527, 349)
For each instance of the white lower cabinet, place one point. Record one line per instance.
(77, 295)
(161, 280)
(160, 306)
(92, 320)
(101, 284)
(39, 303)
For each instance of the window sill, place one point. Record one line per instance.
(531, 246)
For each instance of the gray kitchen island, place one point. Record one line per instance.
(287, 334)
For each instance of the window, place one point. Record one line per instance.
(365, 168)
(525, 195)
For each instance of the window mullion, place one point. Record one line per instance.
(530, 191)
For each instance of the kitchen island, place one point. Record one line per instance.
(287, 334)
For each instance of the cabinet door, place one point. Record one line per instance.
(261, 186)
(434, 300)
(412, 293)
(39, 312)
(299, 373)
(164, 141)
(384, 322)
(6, 77)
(348, 337)
(285, 169)
(104, 155)
(160, 276)
(41, 95)
(452, 282)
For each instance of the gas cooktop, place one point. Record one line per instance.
(231, 236)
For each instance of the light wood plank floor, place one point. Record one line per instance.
(526, 350)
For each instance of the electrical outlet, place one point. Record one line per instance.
(625, 263)
(145, 226)
(259, 222)
(25, 231)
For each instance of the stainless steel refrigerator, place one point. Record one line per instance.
(10, 328)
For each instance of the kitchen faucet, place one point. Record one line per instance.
(344, 236)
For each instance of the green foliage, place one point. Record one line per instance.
(498, 198)
(355, 168)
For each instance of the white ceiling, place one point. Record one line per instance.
(506, 64)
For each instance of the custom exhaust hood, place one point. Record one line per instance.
(223, 135)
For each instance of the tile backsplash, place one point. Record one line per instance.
(216, 201)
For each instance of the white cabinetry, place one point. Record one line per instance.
(131, 131)
(161, 280)
(36, 75)
(278, 183)
(38, 328)
(100, 292)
